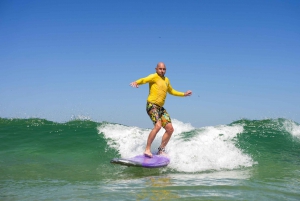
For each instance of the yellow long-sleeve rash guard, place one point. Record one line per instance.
(158, 88)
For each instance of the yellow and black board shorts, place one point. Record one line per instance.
(157, 113)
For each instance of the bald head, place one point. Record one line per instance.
(161, 64)
(161, 69)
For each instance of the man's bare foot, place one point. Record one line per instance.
(148, 154)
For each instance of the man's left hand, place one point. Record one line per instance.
(188, 93)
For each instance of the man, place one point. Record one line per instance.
(159, 85)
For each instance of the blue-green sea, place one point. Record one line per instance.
(244, 160)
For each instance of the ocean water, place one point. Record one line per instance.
(245, 160)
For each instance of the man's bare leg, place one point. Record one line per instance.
(151, 137)
(166, 137)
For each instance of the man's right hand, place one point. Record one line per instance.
(134, 84)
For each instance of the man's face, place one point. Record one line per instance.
(161, 70)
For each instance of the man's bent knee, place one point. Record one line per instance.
(169, 128)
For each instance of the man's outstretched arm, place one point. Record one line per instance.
(177, 93)
(143, 80)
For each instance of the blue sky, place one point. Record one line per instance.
(60, 59)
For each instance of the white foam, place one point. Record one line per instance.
(211, 148)
(208, 148)
(129, 141)
(292, 128)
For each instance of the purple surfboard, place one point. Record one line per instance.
(143, 161)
